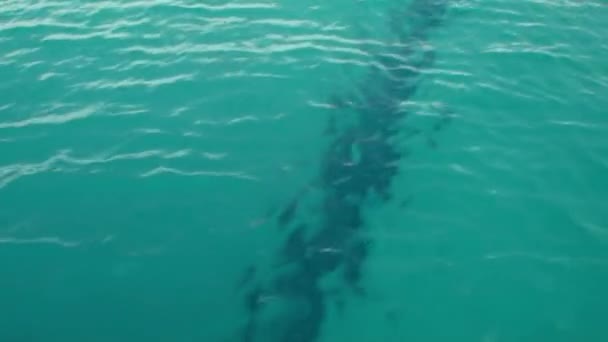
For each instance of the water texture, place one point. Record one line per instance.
(396, 170)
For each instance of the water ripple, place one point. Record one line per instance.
(243, 47)
(163, 170)
(108, 34)
(53, 119)
(564, 260)
(133, 82)
(13, 172)
(38, 23)
(40, 241)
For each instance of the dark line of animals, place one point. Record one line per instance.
(359, 161)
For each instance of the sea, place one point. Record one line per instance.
(303, 171)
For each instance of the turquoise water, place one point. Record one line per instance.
(445, 161)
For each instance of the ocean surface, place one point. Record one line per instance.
(304, 171)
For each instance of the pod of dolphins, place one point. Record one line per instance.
(360, 161)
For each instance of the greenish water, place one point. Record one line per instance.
(148, 151)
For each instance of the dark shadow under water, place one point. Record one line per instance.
(360, 161)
